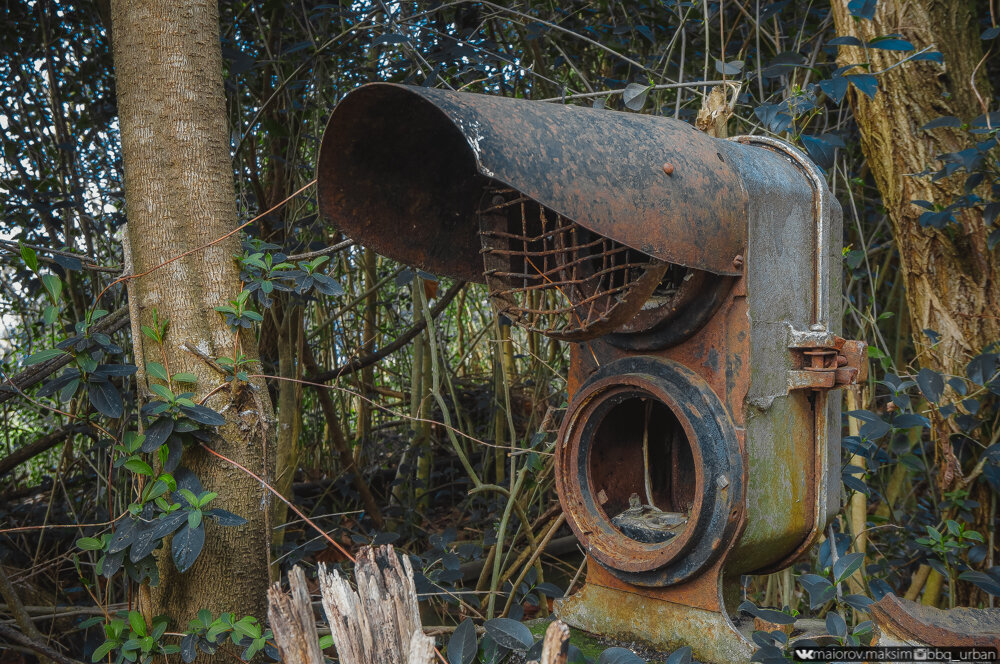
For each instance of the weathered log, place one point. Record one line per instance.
(380, 622)
(292, 621)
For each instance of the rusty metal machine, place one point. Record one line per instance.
(698, 280)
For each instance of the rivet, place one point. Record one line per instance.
(722, 481)
(668, 168)
(738, 261)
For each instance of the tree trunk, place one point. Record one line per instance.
(951, 277)
(179, 196)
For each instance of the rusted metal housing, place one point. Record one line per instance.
(402, 169)
(706, 395)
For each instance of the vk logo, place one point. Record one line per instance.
(805, 654)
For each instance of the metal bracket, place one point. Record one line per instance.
(827, 366)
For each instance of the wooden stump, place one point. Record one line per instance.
(555, 646)
(378, 623)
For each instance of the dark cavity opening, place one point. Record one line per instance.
(641, 468)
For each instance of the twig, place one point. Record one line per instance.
(12, 634)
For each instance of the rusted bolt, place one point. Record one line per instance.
(722, 481)
(668, 168)
(738, 261)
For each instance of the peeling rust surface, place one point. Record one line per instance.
(901, 621)
(402, 169)
(664, 618)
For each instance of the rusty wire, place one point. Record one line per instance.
(553, 276)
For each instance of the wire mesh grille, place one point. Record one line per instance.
(551, 275)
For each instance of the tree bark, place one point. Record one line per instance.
(179, 196)
(951, 277)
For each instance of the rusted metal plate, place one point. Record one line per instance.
(664, 618)
(901, 621)
(402, 169)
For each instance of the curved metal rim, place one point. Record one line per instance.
(720, 515)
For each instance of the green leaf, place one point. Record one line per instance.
(137, 623)
(186, 547)
(206, 498)
(89, 544)
(185, 377)
(43, 355)
(188, 496)
(162, 391)
(847, 565)
(194, 518)
(326, 641)
(463, 644)
(204, 415)
(138, 466)
(105, 398)
(620, 656)
(157, 370)
(509, 633)
(53, 285)
(51, 314)
(29, 257)
(102, 650)
(634, 97)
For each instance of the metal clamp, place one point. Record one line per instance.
(828, 366)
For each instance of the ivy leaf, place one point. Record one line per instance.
(157, 433)
(162, 391)
(867, 83)
(982, 580)
(859, 602)
(203, 415)
(509, 633)
(463, 644)
(770, 615)
(187, 545)
(728, 68)
(138, 466)
(847, 565)
(122, 538)
(943, 121)
(835, 624)
(145, 542)
(891, 44)
(89, 544)
(620, 656)
(634, 97)
(835, 88)
(225, 517)
(105, 398)
(874, 426)
(846, 40)
(931, 384)
(165, 525)
(43, 355)
(29, 257)
(862, 8)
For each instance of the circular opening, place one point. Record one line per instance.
(641, 468)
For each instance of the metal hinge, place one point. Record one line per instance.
(828, 366)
